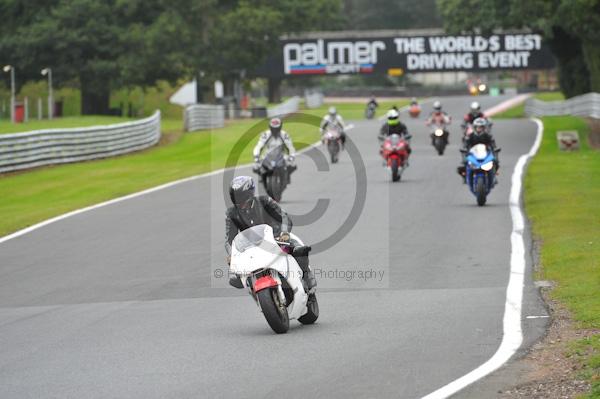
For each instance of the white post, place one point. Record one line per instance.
(50, 96)
(39, 113)
(11, 69)
(26, 106)
(48, 71)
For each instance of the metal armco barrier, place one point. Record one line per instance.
(203, 116)
(55, 146)
(313, 99)
(584, 105)
(287, 107)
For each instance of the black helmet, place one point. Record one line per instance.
(241, 191)
(275, 125)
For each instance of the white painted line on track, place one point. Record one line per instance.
(537, 317)
(513, 335)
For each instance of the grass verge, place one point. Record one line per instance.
(356, 110)
(518, 111)
(562, 199)
(68, 122)
(33, 196)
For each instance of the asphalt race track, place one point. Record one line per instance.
(125, 301)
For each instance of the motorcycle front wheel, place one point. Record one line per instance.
(274, 311)
(395, 171)
(480, 191)
(274, 186)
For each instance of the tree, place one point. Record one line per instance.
(571, 28)
(385, 14)
(103, 45)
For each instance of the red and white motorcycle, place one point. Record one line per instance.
(273, 277)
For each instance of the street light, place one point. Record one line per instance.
(11, 69)
(48, 71)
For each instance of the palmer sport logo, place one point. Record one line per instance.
(320, 58)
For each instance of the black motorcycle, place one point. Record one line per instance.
(439, 137)
(274, 173)
(370, 111)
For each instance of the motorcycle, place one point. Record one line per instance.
(273, 277)
(394, 151)
(414, 110)
(439, 137)
(333, 140)
(480, 171)
(370, 111)
(274, 173)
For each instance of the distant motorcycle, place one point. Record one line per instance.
(481, 171)
(273, 277)
(439, 137)
(370, 111)
(414, 110)
(333, 140)
(274, 173)
(394, 151)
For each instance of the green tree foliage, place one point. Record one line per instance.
(571, 27)
(385, 14)
(111, 44)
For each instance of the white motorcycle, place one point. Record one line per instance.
(273, 277)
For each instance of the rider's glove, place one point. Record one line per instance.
(284, 237)
(256, 159)
(291, 159)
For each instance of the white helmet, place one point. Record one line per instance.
(437, 106)
(393, 114)
(475, 107)
(332, 111)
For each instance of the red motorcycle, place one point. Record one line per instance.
(414, 110)
(395, 151)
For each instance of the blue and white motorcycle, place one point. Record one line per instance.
(481, 171)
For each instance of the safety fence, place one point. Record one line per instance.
(584, 105)
(203, 116)
(55, 146)
(287, 107)
(313, 99)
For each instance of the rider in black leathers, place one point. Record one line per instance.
(249, 210)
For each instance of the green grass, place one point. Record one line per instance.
(68, 122)
(30, 197)
(518, 111)
(350, 111)
(562, 199)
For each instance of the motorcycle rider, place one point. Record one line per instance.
(393, 125)
(481, 135)
(250, 210)
(474, 113)
(372, 102)
(438, 117)
(273, 138)
(335, 121)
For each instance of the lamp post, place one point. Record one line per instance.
(48, 71)
(11, 69)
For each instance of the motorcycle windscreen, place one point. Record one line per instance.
(252, 237)
(274, 157)
(394, 139)
(479, 151)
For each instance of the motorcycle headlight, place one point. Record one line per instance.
(487, 166)
(439, 132)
